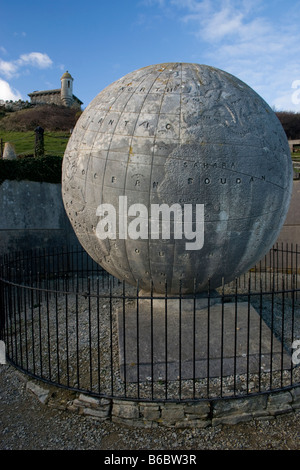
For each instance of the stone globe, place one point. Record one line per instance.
(179, 176)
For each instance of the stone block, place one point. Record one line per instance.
(41, 393)
(240, 405)
(197, 410)
(279, 403)
(234, 418)
(99, 414)
(127, 410)
(193, 423)
(88, 399)
(78, 403)
(295, 393)
(172, 413)
(150, 411)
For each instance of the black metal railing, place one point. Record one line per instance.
(66, 321)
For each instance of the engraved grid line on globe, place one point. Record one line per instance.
(127, 262)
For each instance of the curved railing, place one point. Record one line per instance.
(66, 321)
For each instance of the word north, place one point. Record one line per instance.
(135, 222)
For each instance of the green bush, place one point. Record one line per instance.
(43, 169)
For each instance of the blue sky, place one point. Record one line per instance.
(99, 41)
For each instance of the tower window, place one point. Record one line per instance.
(68, 83)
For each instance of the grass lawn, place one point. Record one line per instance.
(24, 142)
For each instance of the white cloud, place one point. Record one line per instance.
(12, 68)
(22, 34)
(7, 93)
(223, 19)
(8, 69)
(245, 38)
(35, 59)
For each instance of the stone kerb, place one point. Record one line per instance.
(199, 414)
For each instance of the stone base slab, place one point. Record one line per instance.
(168, 344)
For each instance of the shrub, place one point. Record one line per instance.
(43, 169)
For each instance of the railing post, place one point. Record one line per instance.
(39, 142)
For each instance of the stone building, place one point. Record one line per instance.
(62, 96)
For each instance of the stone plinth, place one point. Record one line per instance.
(239, 341)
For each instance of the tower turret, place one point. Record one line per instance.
(67, 89)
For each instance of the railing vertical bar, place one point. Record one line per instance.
(77, 333)
(90, 332)
(111, 339)
(208, 341)
(282, 327)
(32, 327)
(26, 326)
(179, 340)
(222, 338)
(57, 327)
(194, 341)
(260, 337)
(19, 308)
(278, 268)
(235, 336)
(272, 266)
(248, 336)
(138, 340)
(296, 270)
(124, 331)
(292, 325)
(292, 265)
(286, 269)
(82, 269)
(67, 330)
(47, 293)
(272, 332)
(38, 291)
(166, 340)
(9, 339)
(98, 334)
(152, 344)
(282, 257)
(13, 311)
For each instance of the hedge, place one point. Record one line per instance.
(42, 169)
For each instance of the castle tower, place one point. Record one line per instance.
(66, 92)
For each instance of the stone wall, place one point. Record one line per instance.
(32, 215)
(47, 98)
(53, 98)
(200, 414)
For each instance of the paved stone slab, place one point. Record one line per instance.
(185, 352)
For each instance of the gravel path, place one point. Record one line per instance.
(27, 424)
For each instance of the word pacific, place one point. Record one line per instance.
(135, 222)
